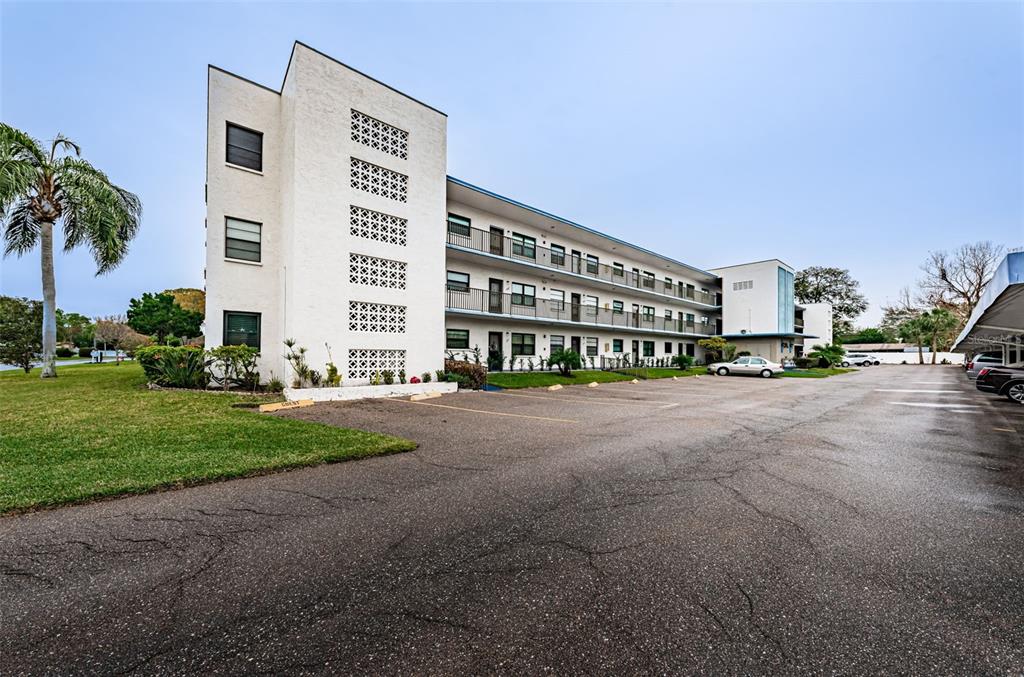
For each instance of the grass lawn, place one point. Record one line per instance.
(97, 431)
(539, 379)
(662, 372)
(815, 372)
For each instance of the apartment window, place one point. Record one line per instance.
(242, 239)
(557, 255)
(648, 348)
(618, 270)
(523, 344)
(524, 245)
(591, 346)
(617, 307)
(456, 338)
(668, 283)
(648, 312)
(744, 284)
(592, 264)
(703, 319)
(245, 147)
(557, 297)
(648, 280)
(590, 303)
(668, 347)
(457, 281)
(616, 345)
(241, 329)
(557, 342)
(689, 318)
(458, 225)
(523, 295)
(668, 314)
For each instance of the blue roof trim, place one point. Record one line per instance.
(768, 335)
(541, 212)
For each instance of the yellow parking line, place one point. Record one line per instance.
(584, 400)
(493, 413)
(1005, 430)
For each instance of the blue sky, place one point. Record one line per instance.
(854, 135)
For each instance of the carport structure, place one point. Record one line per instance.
(997, 323)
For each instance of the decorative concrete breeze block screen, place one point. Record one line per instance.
(377, 226)
(379, 181)
(379, 135)
(376, 317)
(374, 272)
(365, 362)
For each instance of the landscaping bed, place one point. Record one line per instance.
(540, 379)
(97, 431)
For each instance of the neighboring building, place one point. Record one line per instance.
(759, 314)
(331, 221)
(814, 321)
(997, 323)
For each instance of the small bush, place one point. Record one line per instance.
(803, 362)
(426, 377)
(565, 360)
(414, 379)
(388, 376)
(440, 374)
(682, 361)
(64, 352)
(274, 385)
(85, 352)
(174, 366)
(475, 375)
(401, 376)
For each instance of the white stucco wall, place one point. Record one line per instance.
(817, 322)
(753, 310)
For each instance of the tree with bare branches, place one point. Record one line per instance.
(955, 280)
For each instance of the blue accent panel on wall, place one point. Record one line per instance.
(785, 303)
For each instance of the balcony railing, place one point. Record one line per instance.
(517, 250)
(532, 308)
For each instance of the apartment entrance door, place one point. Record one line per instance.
(575, 309)
(574, 343)
(577, 256)
(494, 289)
(494, 354)
(636, 351)
(497, 240)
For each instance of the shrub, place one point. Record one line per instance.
(682, 361)
(64, 352)
(85, 352)
(175, 366)
(475, 375)
(388, 376)
(401, 376)
(426, 377)
(173, 341)
(234, 366)
(457, 378)
(565, 360)
(803, 362)
(274, 385)
(414, 379)
(440, 375)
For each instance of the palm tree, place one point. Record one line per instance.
(828, 352)
(916, 329)
(38, 189)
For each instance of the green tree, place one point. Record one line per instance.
(74, 328)
(832, 354)
(716, 348)
(20, 338)
(868, 335)
(916, 330)
(158, 315)
(819, 284)
(565, 360)
(189, 298)
(940, 325)
(39, 189)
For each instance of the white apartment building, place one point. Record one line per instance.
(331, 221)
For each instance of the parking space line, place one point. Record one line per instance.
(916, 390)
(582, 400)
(938, 405)
(492, 413)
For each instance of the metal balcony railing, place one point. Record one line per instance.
(517, 250)
(532, 308)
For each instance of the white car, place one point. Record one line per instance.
(859, 359)
(746, 365)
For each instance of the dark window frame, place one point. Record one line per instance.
(227, 240)
(524, 242)
(618, 307)
(522, 343)
(228, 146)
(616, 345)
(455, 228)
(557, 254)
(457, 287)
(259, 328)
(522, 296)
(618, 270)
(590, 347)
(448, 339)
(593, 264)
(648, 349)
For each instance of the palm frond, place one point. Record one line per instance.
(22, 162)
(98, 214)
(61, 141)
(22, 230)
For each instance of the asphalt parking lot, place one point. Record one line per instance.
(871, 522)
